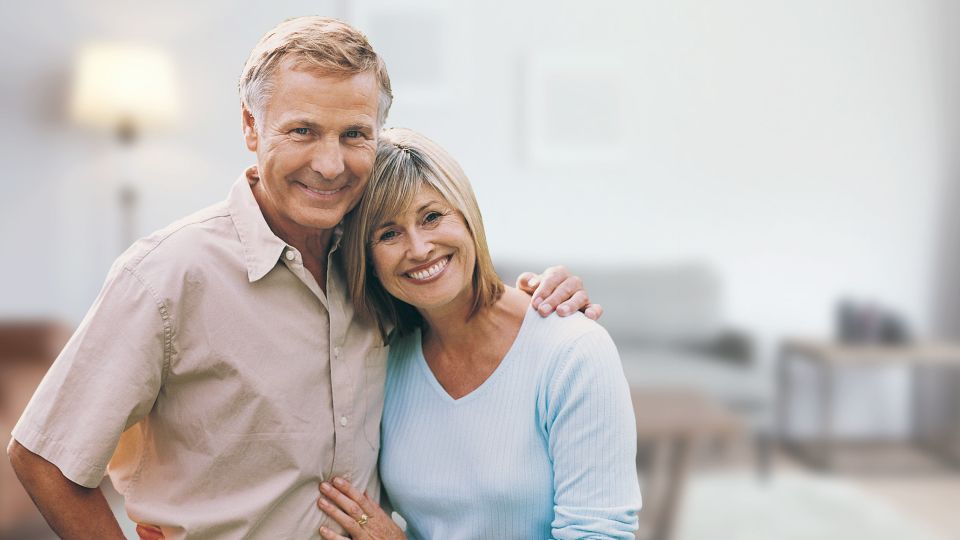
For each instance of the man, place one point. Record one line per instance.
(221, 371)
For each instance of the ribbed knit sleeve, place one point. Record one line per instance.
(591, 436)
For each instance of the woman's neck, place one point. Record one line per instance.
(455, 335)
(462, 353)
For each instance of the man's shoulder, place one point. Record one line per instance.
(185, 241)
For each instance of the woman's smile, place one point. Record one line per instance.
(428, 272)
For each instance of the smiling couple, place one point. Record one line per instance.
(238, 358)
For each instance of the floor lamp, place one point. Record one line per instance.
(124, 89)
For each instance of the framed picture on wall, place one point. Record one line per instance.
(421, 43)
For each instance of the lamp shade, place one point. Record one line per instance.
(119, 85)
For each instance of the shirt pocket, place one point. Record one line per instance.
(374, 375)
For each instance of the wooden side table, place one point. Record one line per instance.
(829, 358)
(672, 423)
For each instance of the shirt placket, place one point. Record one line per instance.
(343, 375)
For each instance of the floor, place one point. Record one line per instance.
(925, 496)
(882, 492)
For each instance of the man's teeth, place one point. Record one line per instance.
(322, 192)
(429, 272)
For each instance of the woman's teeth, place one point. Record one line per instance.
(429, 272)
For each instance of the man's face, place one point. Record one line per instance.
(315, 145)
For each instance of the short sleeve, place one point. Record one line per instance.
(106, 379)
(593, 442)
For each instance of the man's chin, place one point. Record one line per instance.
(322, 223)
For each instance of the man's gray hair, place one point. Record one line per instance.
(329, 46)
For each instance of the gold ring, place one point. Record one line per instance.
(363, 520)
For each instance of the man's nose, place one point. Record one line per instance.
(328, 158)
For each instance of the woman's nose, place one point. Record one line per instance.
(421, 246)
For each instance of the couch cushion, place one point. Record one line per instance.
(666, 304)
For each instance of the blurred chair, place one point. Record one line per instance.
(27, 349)
(672, 425)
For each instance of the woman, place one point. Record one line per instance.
(497, 423)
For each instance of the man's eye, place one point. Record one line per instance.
(352, 134)
(301, 131)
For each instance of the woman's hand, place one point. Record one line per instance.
(556, 288)
(355, 512)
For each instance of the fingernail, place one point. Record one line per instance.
(533, 281)
(339, 482)
(563, 310)
(325, 486)
(537, 301)
(544, 308)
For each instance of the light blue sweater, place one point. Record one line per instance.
(544, 448)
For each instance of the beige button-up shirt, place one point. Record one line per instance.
(218, 381)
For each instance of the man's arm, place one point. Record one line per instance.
(73, 511)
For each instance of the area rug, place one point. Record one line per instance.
(789, 506)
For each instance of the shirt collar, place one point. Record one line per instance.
(261, 247)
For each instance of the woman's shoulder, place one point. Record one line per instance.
(564, 333)
(569, 346)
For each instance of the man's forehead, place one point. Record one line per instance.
(301, 66)
(306, 93)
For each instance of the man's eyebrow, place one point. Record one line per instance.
(359, 126)
(299, 121)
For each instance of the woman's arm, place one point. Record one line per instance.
(591, 435)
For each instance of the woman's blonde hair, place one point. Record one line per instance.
(406, 162)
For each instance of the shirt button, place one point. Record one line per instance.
(291, 255)
(343, 420)
(336, 352)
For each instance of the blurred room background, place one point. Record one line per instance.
(732, 178)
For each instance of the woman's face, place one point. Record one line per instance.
(425, 256)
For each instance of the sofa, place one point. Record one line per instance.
(669, 326)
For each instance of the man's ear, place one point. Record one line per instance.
(249, 129)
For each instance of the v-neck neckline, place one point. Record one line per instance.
(489, 381)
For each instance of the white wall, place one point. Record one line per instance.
(801, 147)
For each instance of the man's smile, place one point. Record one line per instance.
(325, 193)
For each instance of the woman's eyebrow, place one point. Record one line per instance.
(427, 205)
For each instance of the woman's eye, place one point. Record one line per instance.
(386, 236)
(432, 217)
